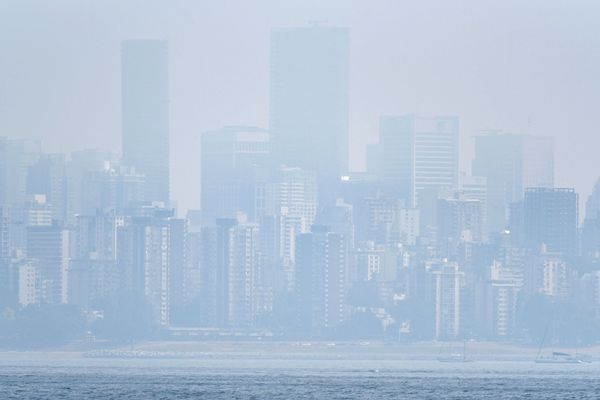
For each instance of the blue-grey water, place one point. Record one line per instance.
(56, 377)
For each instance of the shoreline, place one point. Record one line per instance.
(304, 350)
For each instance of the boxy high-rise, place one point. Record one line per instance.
(309, 102)
(145, 113)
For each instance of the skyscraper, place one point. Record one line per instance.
(16, 156)
(550, 218)
(592, 205)
(511, 163)
(458, 220)
(230, 156)
(475, 188)
(374, 217)
(590, 232)
(145, 113)
(294, 194)
(309, 101)
(84, 163)
(420, 155)
(113, 188)
(48, 177)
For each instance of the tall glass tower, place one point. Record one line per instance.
(419, 155)
(511, 163)
(145, 113)
(309, 102)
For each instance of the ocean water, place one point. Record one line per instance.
(57, 377)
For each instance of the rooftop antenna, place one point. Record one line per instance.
(315, 23)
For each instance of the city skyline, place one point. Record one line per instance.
(95, 122)
(285, 227)
(299, 199)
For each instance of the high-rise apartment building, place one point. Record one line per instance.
(29, 282)
(146, 247)
(321, 275)
(178, 272)
(145, 113)
(49, 246)
(242, 271)
(448, 287)
(229, 264)
(93, 275)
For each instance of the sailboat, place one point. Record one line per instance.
(456, 357)
(558, 357)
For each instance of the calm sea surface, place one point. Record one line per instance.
(62, 377)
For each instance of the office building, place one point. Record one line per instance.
(420, 156)
(590, 232)
(374, 218)
(475, 188)
(550, 219)
(458, 221)
(16, 156)
(113, 188)
(592, 205)
(232, 160)
(79, 169)
(511, 164)
(145, 113)
(47, 177)
(375, 160)
(309, 102)
(294, 193)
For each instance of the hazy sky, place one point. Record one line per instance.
(518, 66)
